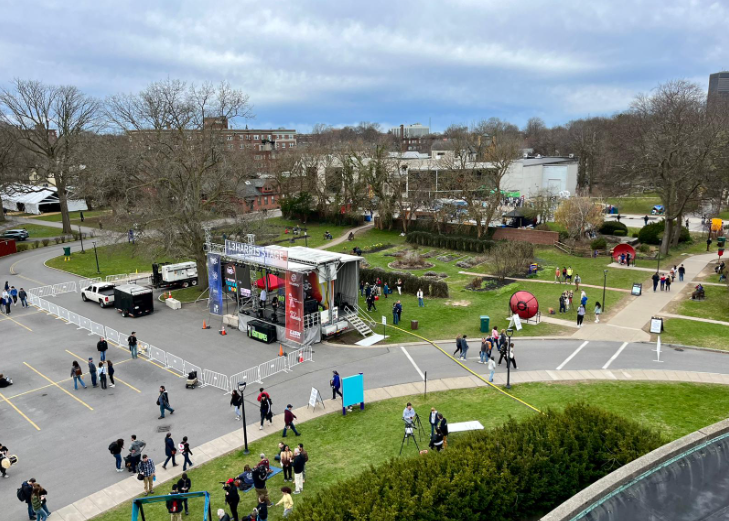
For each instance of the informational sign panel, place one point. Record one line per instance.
(384, 320)
(230, 283)
(517, 322)
(656, 326)
(215, 284)
(637, 289)
(315, 397)
(267, 256)
(294, 306)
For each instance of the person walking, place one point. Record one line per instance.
(492, 369)
(433, 420)
(663, 281)
(289, 418)
(583, 298)
(92, 372)
(236, 400)
(170, 451)
(578, 279)
(464, 347)
(668, 283)
(287, 501)
(110, 370)
(163, 400)
(23, 296)
(102, 375)
(459, 347)
(186, 453)
(485, 348)
(655, 278)
(368, 290)
(598, 311)
(115, 449)
(183, 487)
(681, 273)
(101, 347)
(512, 359)
(132, 341)
(298, 471)
(6, 302)
(36, 501)
(266, 403)
(504, 354)
(557, 275)
(419, 294)
(336, 385)
(287, 460)
(580, 315)
(135, 453)
(645, 220)
(76, 373)
(14, 294)
(146, 469)
(232, 498)
(563, 303)
(398, 285)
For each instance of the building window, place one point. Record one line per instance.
(258, 158)
(265, 200)
(255, 137)
(229, 138)
(241, 146)
(269, 137)
(276, 144)
(291, 145)
(248, 136)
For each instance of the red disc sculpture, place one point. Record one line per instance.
(524, 304)
(623, 248)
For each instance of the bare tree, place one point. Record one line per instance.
(508, 258)
(50, 122)
(579, 215)
(182, 177)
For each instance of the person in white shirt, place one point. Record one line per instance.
(409, 413)
(262, 297)
(419, 294)
(433, 420)
(492, 368)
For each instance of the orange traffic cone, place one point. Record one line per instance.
(222, 331)
(169, 294)
(205, 326)
(280, 350)
(301, 358)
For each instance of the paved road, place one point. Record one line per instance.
(77, 426)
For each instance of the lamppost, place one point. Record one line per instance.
(81, 236)
(509, 332)
(241, 389)
(604, 283)
(97, 257)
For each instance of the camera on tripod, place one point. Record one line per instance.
(409, 426)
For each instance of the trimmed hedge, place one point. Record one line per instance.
(410, 283)
(613, 228)
(653, 233)
(451, 242)
(598, 244)
(517, 471)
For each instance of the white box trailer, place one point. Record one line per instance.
(182, 274)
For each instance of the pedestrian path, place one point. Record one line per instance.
(618, 266)
(344, 237)
(129, 488)
(695, 319)
(473, 274)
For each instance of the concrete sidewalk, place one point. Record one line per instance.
(129, 488)
(344, 237)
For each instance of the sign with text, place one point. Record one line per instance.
(294, 306)
(215, 284)
(267, 256)
(315, 397)
(656, 326)
(517, 322)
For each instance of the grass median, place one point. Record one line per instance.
(693, 333)
(113, 260)
(340, 447)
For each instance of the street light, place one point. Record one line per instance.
(81, 236)
(509, 332)
(241, 388)
(604, 283)
(97, 257)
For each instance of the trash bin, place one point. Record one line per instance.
(485, 324)
(66, 251)
(413, 325)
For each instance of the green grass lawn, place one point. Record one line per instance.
(692, 333)
(367, 239)
(38, 231)
(715, 307)
(75, 216)
(113, 260)
(634, 205)
(272, 230)
(675, 257)
(340, 447)
(185, 295)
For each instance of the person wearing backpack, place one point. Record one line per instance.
(24, 494)
(115, 449)
(174, 505)
(170, 451)
(164, 402)
(76, 373)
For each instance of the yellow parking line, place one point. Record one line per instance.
(21, 325)
(19, 412)
(128, 385)
(61, 388)
(12, 272)
(122, 381)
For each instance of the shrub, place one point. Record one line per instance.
(563, 236)
(543, 227)
(411, 283)
(46, 242)
(611, 227)
(22, 246)
(452, 242)
(653, 234)
(36, 244)
(476, 283)
(599, 244)
(516, 471)
(644, 248)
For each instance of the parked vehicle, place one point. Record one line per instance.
(19, 234)
(166, 275)
(103, 293)
(130, 299)
(658, 210)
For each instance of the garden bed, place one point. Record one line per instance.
(488, 284)
(399, 265)
(448, 257)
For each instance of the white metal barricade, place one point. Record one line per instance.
(45, 291)
(270, 368)
(64, 287)
(175, 363)
(117, 278)
(124, 340)
(53, 309)
(143, 349)
(112, 334)
(188, 368)
(157, 354)
(300, 356)
(73, 318)
(44, 304)
(139, 279)
(84, 323)
(249, 376)
(97, 329)
(85, 283)
(217, 380)
(63, 313)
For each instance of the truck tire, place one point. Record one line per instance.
(185, 284)
(101, 303)
(194, 282)
(125, 313)
(83, 297)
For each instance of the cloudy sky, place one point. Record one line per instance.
(340, 62)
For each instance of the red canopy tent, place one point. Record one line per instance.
(274, 282)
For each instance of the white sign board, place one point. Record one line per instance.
(517, 322)
(384, 320)
(315, 397)
(656, 326)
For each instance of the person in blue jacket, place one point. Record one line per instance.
(336, 384)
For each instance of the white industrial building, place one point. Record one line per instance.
(36, 200)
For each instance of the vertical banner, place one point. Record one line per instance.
(294, 306)
(215, 284)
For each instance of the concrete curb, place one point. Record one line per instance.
(129, 488)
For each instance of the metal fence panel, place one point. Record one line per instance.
(217, 380)
(117, 278)
(85, 283)
(249, 376)
(175, 363)
(272, 367)
(143, 349)
(53, 309)
(112, 334)
(97, 329)
(304, 354)
(139, 279)
(63, 313)
(45, 291)
(74, 318)
(157, 354)
(84, 323)
(64, 287)
(44, 304)
(188, 368)
(124, 340)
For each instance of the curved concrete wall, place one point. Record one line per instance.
(685, 480)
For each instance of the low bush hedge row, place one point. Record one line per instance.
(452, 242)
(611, 227)
(515, 472)
(411, 283)
(653, 233)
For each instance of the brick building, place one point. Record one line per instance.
(261, 143)
(259, 194)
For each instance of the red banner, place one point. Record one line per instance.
(294, 306)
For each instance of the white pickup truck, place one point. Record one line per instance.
(103, 293)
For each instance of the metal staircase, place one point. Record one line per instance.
(359, 325)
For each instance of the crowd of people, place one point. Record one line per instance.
(10, 297)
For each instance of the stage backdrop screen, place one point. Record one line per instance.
(295, 306)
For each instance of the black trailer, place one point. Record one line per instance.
(133, 300)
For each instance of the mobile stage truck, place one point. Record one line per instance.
(298, 294)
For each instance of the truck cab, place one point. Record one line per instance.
(103, 293)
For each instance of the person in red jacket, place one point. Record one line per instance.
(289, 418)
